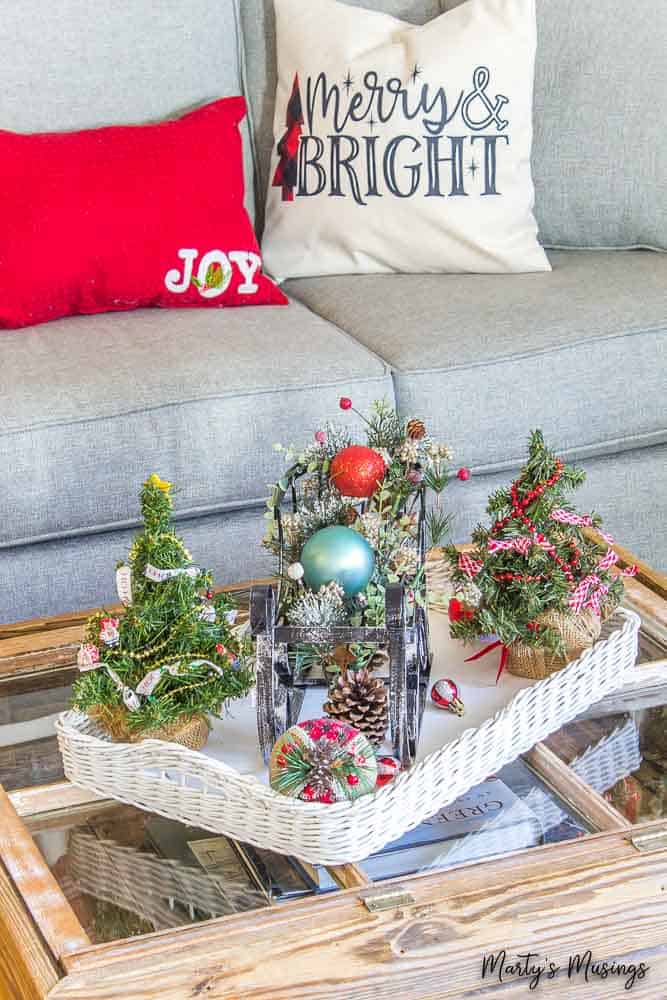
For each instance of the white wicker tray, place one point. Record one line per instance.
(224, 789)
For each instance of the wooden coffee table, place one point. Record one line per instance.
(100, 900)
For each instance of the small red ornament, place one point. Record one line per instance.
(388, 768)
(357, 471)
(220, 649)
(463, 475)
(345, 403)
(445, 694)
(209, 595)
(352, 779)
(458, 611)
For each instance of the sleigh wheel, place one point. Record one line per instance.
(423, 657)
(271, 696)
(398, 671)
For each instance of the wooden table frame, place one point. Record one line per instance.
(423, 936)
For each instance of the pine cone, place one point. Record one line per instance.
(416, 429)
(379, 661)
(350, 514)
(360, 700)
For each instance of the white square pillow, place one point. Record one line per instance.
(402, 147)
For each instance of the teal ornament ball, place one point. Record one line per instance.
(338, 554)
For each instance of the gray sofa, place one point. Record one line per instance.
(90, 405)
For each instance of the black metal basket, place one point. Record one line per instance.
(281, 686)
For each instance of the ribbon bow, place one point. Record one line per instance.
(566, 517)
(504, 653)
(520, 545)
(469, 566)
(588, 594)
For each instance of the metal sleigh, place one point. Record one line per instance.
(281, 686)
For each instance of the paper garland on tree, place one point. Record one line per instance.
(323, 760)
(124, 585)
(160, 575)
(109, 633)
(88, 657)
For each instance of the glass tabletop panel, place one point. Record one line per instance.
(29, 706)
(127, 872)
(510, 811)
(623, 755)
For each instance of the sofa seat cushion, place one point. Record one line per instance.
(486, 357)
(90, 405)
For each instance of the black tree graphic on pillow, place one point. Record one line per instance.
(285, 176)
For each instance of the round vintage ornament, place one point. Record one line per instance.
(88, 657)
(357, 471)
(338, 554)
(109, 633)
(323, 760)
(445, 694)
(388, 768)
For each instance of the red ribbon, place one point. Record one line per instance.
(469, 566)
(487, 649)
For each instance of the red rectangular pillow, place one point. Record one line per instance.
(128, 216)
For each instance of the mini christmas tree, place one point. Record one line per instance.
(533, 560)
(173, 654)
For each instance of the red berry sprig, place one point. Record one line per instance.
(519, 507)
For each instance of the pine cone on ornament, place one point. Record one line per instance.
(350, 515)
(415, 429)
(379, 661)
(360, 700)
(404, 560)
(408, 452)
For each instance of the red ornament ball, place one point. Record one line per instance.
(357, 471)
(445, 694)
(463, 475)
(458, 611)
(345, 403)
(388, 768)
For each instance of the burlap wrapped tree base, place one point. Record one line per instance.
(189, 731)
(579, 632)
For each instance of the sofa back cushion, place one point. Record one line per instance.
(600, 141)
(73, 64)
(259, 33)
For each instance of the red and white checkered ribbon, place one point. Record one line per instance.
(608, 560)
(520, 545)
(545, 544)
(588, 594)
(565, 517)
(590, 591)
(470, 567)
